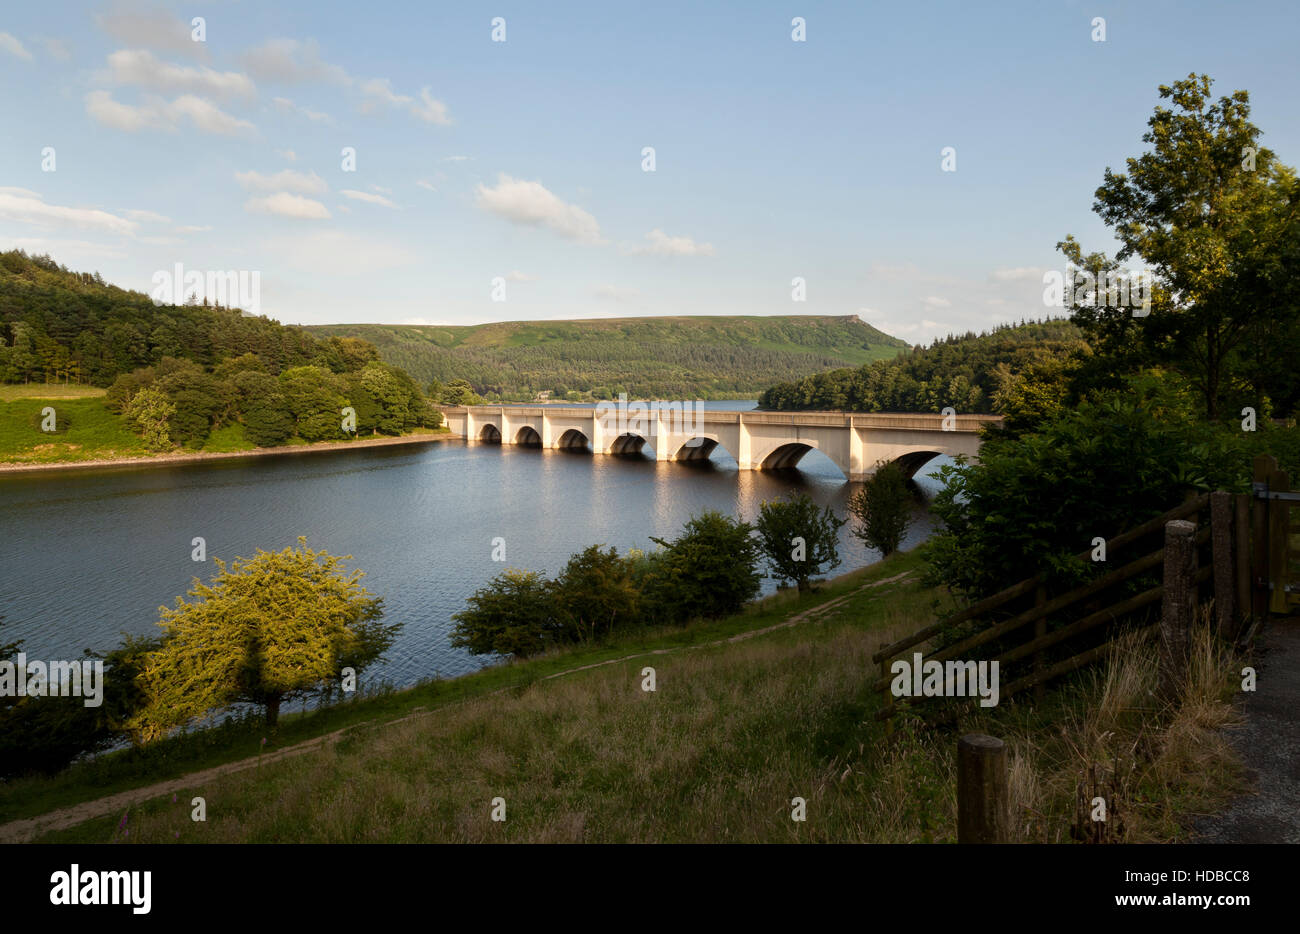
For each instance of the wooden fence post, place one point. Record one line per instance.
(983, 796)
(1221, 524)
(886, 698)
(1241, 548)
(1040, 657)
(1279, 518)
(1177, 606)
(1264, 466)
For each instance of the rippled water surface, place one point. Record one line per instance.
(86, 555)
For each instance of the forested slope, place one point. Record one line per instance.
(675, 357)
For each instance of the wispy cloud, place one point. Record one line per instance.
(530, 204)
(305, 183)
(152, 27)
(158, 114)
(140, 68)
(11, 45)
(368, 197)
(26, 207)
(283, 204)
(660, 244)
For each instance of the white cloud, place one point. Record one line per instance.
(381, 189)
(424, 183)
(379, 91)
(367, 197)
(206, 116)
(101, 106)
(151, 27)
(11, 45)
(284, 204)
(430, 110)
(287, 154)
(289, 61)
(532, 205)
(304, 183)
(140, 68)
(147, 217)
(158, 114)
(456, 159)
(378, 94)
(285, 105)
(660, 244)
(193, 228)
(515, 275)
(18, 204)
(934, 301)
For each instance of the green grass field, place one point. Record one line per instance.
(8, 393)
(84, 430)
(748, 714)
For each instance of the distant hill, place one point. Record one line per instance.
(967, 371)
(671, 357)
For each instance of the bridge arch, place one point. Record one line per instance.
(573, 440)
(629, 443)
(912, 462)
(490, 434)
(787, 455)
(528, 437)
(697, 448)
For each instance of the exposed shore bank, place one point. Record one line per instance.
(171, 460)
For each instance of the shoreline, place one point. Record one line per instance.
(169, 460)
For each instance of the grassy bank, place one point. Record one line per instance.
(88, 434)
(748, 714)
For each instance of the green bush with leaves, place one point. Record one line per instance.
(1114, 461)
(267, 629)
(710, 570)
(148, 413)
(43, 734)
(798, 539)
(883, 509)
(595, 593)
(515, 614)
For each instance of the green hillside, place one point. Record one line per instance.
(680, 357)
(971, 372)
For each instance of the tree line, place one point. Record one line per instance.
(178, 373)
(970, 372)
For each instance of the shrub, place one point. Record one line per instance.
(881, 508)
(798, 539)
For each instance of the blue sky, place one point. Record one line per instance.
(522, 159)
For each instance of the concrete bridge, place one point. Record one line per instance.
(677, 431)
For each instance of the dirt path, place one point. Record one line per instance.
(28, 829)
(1269, 744)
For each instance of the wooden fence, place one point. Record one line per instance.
(1239, 549)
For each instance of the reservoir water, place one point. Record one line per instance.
(87, 555)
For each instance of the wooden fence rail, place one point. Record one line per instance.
(1246, 557)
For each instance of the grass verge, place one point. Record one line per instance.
(766, 707)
